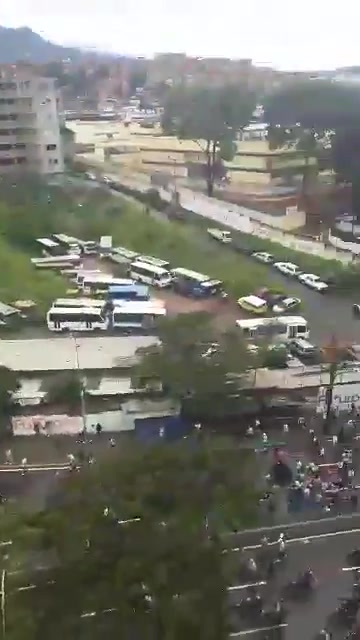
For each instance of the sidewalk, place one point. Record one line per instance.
(237, 218)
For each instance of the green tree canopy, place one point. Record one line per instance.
(313, 104)
(212, 116)
(140, 539)
(195, 362)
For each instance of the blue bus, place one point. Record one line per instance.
(190, 283)
(128, 292)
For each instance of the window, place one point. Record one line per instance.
(8, 116)
(7, 162)
(51, 147)
(10, 147)
(7, 132)
(129, 318)
(6, 86)
(7, 101)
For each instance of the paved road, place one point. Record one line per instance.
(326, 557)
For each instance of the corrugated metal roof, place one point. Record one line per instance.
(60, 354)
(7, 310)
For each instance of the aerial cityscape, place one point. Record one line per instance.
(180, 340)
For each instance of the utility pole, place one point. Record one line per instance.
(333, 354)
(3, 603)
(82, 386)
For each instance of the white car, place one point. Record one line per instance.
(288, 268)
(286, 305)
(313, 282)
(261, 256)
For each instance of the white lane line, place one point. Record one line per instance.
(350, 569)
(251, 631)
(305, 539)
(238, 587)
(33, 469)
(292, 525)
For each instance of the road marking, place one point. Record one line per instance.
(305, 539)
(350, 569)
(238, 587)
(251, 631)
(292, 525)
(36, 469)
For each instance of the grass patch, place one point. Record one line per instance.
(177, 243)
(20, 280)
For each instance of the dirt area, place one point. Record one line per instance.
(224, 311)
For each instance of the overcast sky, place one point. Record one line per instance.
(309, 34)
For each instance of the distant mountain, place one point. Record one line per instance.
(23, 44)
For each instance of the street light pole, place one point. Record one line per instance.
(3, 603)
(82, 389)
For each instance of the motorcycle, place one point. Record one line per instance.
(353, 558)
(345, 614)
(298, 589)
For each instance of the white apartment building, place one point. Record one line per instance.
(30, 136)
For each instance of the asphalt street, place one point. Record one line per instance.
(326, 556)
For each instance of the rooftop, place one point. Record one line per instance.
(59, 354)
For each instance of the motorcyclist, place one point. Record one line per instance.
(306, 579)
(252, 565)
(282, 545)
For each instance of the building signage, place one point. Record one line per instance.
(344, 395)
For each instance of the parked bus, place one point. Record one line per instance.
(49, 247)
(279, 328)
(137, 315)
(76, 319)
(150, 274)
(128, 292)
(57, 262)
(83, 273)
(124, 253)
(101, 282)
(70, 244)
(77, 303)
(191, 283)
(156, 262)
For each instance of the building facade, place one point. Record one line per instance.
(30, 137)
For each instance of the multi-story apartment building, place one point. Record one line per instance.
(30, 136)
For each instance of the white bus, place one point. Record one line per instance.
(57, 262)
(279, 328)
(124, 253)
(150, 274)
(76, 319)
(156, 262)
(81, 274)
(100, 283)
(70, 244)
(49, 247)
(77, 303)
(137, 315)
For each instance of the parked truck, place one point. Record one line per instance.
(220, 235)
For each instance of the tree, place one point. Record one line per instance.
(139, 538)
(212, 116)
(311, 112)
(195, 363)
(308, 143)
(65, 388)
(9, 384)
